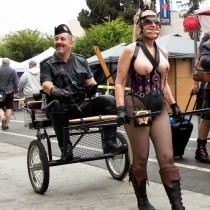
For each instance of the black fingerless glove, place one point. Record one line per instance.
(91, 89)
(60, 94)
(122, 116)
(176, 111)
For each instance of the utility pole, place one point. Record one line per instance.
(172, 30)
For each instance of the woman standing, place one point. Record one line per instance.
(148, 66)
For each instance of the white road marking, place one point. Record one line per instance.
(17, 121)
(31, 137)
(150, 159)
(54, 141)
(186, 166)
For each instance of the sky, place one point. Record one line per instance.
(43, 15)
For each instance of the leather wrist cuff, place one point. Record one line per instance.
(55, 92)
(121, 108)
(173, 105)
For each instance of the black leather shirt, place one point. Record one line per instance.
(51, 69)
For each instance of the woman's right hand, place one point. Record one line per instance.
(122, 116)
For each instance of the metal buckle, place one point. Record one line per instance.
(141, 95)
(143, 120)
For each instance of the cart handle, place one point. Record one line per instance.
(195, 111)
(109, 118)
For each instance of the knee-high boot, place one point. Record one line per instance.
(60, 120)
(138, 177)
(109, 141)
(171, 181)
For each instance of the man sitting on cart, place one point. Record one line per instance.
(68, 80)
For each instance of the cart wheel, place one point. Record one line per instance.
(118, 165)
(38, 167)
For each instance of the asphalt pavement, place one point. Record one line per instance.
(85, 186)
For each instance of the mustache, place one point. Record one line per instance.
(58, 45)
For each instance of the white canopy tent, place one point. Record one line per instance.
(12, 63)
(21, 67)
(15, 65)
(203, 16)
(172, 43)
(39, 57)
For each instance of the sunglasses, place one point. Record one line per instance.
(150, 21)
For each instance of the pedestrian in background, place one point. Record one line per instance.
(9, 83)
(30, 82)
(203, 98)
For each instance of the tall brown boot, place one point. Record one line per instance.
(138, 177)
(170, 178)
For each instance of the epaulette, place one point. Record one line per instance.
(80, 55)
(42, 61)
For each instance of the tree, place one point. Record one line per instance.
(192, 5)
(104, 10)
(25, 44)
(105, 36)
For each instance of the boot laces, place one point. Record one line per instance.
(203, 150)
(133, 180)
(140, 201)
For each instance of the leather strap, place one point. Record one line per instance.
(155, 62)
(72, 82)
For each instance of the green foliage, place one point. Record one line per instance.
(104, 36)
(192, 5)
(25, 44)
(104, 10)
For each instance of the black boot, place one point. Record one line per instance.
(138, 177)
(59, 121)
(109, 141)
(171, 182)
(201, 153)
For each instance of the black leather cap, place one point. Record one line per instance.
(62, 29)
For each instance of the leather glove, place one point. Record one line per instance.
(37, 96)
(176, 111)
(122, 116)
(91, 89)
(60, 94)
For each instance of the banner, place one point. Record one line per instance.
(165, 14)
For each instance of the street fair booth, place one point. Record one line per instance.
(181, 60)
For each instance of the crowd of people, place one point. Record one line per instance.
(69, 83)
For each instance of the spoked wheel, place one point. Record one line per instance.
(118, 165)
(38, 167)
